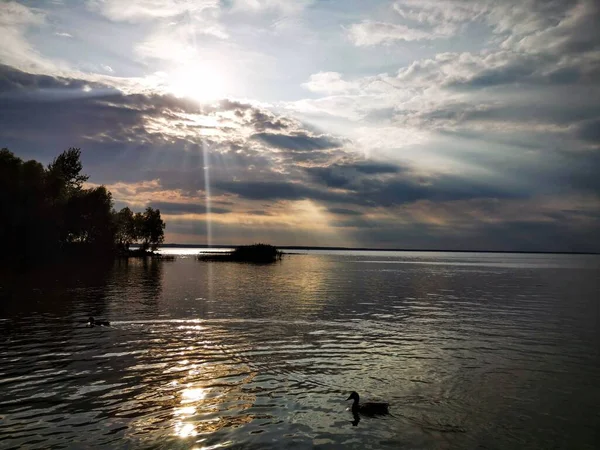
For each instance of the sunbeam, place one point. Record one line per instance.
(207, 194)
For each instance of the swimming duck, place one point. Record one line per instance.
(97, 323)
(368, 409)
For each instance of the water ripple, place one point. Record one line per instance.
(246, 356)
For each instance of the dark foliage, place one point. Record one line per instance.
(46, 214)
(256, 253)
(144, 229)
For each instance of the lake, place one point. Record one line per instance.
(471, 350)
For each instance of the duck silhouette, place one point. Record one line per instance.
(368, 408)
(97, 323)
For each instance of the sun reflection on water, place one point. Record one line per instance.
(183, 427)
(185, 411)
(193, 395)
(193, 392)
(185, 430)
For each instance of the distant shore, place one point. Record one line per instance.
(139, 253)
(301, 247)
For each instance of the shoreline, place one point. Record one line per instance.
(369, 249)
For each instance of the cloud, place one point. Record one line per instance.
(284, 6)
(433, 13)
(374, 167)
(262, 120)
(259, 212)
(169, 208)
(136, 137)
(515, 17)
(178, 45)
(15, 50)
(532, 25)
(422, 20)
(368, 33)
(482, 92)
(350, 175)
(140, 10)
(267, 190)
(490, 135)
(328, 83)
(298, 141)
(344, 212)
(590, 130)
(366, 190)
(566, 28)
(13, 14)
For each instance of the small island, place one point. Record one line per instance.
(255, 253)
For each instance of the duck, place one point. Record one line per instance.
(369, 408)
(97, 323)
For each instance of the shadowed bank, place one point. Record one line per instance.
(47, 214)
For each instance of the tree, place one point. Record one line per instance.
(150, 228)
(88, 218)
(145, 229)
(23, 209)
(125, 229)
(46, 213)
(65, 172)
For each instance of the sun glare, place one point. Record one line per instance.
(200, 82)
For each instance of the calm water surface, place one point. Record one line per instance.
(471, 351)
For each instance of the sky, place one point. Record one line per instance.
(415, 124)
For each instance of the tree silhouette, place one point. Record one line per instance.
(47, 213)
(125, 230)
(149, 229)
(67, 168)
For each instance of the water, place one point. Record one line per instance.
(471, 351)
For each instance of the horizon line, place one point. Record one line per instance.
(313, 247)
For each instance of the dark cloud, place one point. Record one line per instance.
(259, 119)
(263, 120)
(559, 234)
(445, 188)
(590, 131)
(349, 175)
(276, 190)
(576, 33)
(520, 236)
(565, 75)
(372, 192)
(375, 167)
(260, 212)
(232, 105)
(186, 208)
(121, 135)
(298, 141)
(355, 222)
(120, 144)
(13, 80)
(567, 121)
(344, 211)
(580, 173)
(312, 158)
(544, 165)
(538, 236)
(333, 176)
(530, 71)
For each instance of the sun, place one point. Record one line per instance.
(201, 82)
